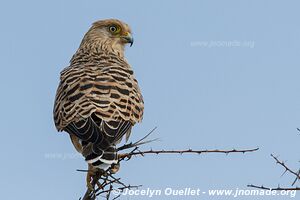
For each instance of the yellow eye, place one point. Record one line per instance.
(114, 29)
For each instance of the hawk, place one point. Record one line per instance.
(98, 99)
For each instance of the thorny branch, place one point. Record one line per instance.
(142, 153)
(106, 182)
(269, 188)
(286, 169)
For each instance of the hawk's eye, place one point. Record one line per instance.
(113, 29)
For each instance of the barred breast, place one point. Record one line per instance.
(105, 86)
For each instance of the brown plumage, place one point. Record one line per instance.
(98, 99)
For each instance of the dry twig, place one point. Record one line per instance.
(286, 169)
(277, 188)
(109, 183)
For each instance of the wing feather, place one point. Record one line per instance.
(99, 104)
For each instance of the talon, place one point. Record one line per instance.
(122, 156)
(114, 168)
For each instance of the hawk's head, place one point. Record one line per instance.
(110, 32)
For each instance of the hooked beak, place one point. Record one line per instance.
(128, 38)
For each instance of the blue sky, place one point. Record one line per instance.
(214, 74)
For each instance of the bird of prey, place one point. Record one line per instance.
(98, 99)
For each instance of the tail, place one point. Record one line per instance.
(102, 158)
(98, 139)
